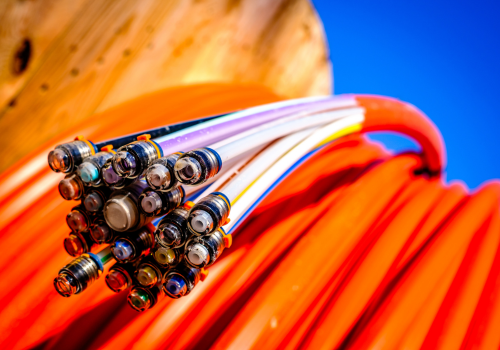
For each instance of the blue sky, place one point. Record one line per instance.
(444, 57)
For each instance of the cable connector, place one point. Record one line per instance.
(142, 299)
(197, 166)
(94, 199)
(78, 243)
(101, 232)
(181, 280)
(133, 245)
(131, 160)
(157, 203)
(90, 170)
(67, 156)
(122, 212)
(78, 219)
(168, 257)
(120, 276)
(209, 214)
(203, 251)
(75, 277)
(71, 187)
(150, 273)
(172, 229)
(160, 175)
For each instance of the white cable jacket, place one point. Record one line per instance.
(276, 129)
(339, 104)
(272, 174)
(336, 101)
(223, 173)
(233, 171)
(262, 162)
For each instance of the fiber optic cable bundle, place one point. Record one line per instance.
(123, 191)
(313, 236)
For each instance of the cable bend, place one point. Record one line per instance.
(389, 114)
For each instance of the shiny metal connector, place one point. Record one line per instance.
(209, 214)
(156, 203)
(197, 166)
(75, 277)
(71, 187)
(142, 299)
(172, 229)
(90, 171)
(160, 175)
(66, 157)
(181, 280)
(78, 243)
(133, 245)
(132, 160)
(203, 251)
(121, 211)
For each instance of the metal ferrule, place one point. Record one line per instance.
(101, 232)
(73, 153)
(78, 219)
(190, 276)
(177, 220)
(153, 296)
(71, 187)
(111, 179)
(122, 212)
(77, 276)
(78, 243)
(96, 161)
(202, 251)
(141, 241)
(216, 206)
(162, 171)
(168, 257)
(207, 159)
(150, 264)
(127, 270)
(95, 199)
(143, 152)
(156, 203)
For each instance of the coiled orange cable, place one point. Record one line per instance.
(356, 248)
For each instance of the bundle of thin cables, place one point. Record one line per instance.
(318, 238)
(151, 176)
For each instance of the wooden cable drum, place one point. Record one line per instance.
(63, 61)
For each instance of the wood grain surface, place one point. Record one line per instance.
(63, 61)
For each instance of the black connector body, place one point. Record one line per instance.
(197, 166)
(121, 276)
(67, 156)
(168, 257)
(90, 170)
(132, 160)
(181, 280)
(203, 251)
(133, 245)
(160, 175)
(142, 299)
(157, 203)
(172, 229)
(150, 273)
(78, 243)
(79, 219)
(209, 214)
(95, 198)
